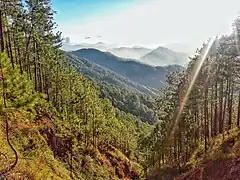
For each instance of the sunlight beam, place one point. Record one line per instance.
(236, 40)
(185, 99)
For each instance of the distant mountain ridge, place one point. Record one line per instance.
(143, 74)
(130, 85)
(101, 74)
(165, 56)
(124, 94)
(160, 56)
(130, 52)
(66, 46)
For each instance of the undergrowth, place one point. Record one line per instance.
(223, 146)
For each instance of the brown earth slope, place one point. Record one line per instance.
(228, 169)
(220, 162)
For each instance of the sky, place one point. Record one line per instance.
(144, 22)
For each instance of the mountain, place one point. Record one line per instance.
(127, 96)
(128, 52)
(100, 74)
(161, 56)
(143, 74)
(164, 56)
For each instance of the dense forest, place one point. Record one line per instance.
(101, 75)
(46, 105)
(200, 107)
(56, 123)
(124, 94)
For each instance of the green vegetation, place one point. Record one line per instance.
(24, 152)
(223, 146)
(143, 74)
(199, 108)
(124, 94)
(54, 124)
(130, 101)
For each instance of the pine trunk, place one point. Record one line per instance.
(1, 32)
(238, 115)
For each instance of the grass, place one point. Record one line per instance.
(108, 164)
(36, 160)
(219, 147)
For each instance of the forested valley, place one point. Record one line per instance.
(56, 122)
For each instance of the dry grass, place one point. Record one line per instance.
(36, 160)
(223, 146)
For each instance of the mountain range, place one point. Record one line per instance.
(129, 84)
(130, 52)
(160, 56)
(101, 74)
(67, 46)
(144, 75)
(164, 56)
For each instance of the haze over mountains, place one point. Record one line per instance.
(130, 52)
(139, 68)
(100, 74)
(125, 72)
(164, 56)
(160, 56)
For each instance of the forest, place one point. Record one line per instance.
(56, 123)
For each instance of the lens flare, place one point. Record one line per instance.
(185, 99)
(236, 40)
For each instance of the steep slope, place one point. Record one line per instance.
(163, 56)
(125, 95)
(35, 157)
(101, 74)
(128, 52)
(129, 101)
(24, 152)
(53, 122)
(143, 74)
(220, 161)
(215, 170)
(38, 140)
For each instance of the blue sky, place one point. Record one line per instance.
(144, 22)
(80, 10)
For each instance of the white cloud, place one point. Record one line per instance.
(158, 22)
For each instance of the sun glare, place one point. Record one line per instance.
(185, 99)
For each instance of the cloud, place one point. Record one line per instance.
(159, 22)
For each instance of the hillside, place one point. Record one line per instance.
(118, 89)
(91, 115)
(41, 142)
(143, 74)
(101, 74)
(197, 135)
(220, 162)
(163, 56)
(54, 121)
